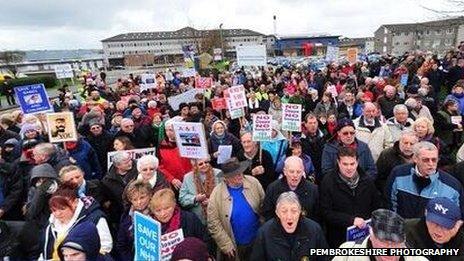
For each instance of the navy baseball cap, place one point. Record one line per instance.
(443, 212)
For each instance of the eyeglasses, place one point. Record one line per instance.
(202, 163)
(346, 133)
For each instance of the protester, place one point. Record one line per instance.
(147, 167)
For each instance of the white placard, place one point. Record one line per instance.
(169, 242)
(291, 117)
(262, 127)
(187, 97)
(251, 55)
(148, 81)
(191, 140)
(237, 97)
(332, 53)
(63, 71)
(224, 153)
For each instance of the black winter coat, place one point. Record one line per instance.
(340, 205)
(388, 159)
(313, 146)
(269, 172)
(306, 191)
(102, 144)
(12, 188)
(273, 243)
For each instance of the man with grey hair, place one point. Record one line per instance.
(141, 137)
(51, 154)
(400, 153)
(388, 101)
(410, 186)
(399, 122)
(293, 180)
(120, 174)
(288, 236)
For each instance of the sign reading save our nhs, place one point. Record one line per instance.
(147, 234)
(33, 98)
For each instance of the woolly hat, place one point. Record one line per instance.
(191, 248)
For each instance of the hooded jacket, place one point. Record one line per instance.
(277, 147)
(226, 139)
(84, 238)
(87, 159)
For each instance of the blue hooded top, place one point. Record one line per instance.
(83, 237)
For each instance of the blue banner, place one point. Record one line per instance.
(404, 79)
(354, 233)
(33, 98)
(147, 238)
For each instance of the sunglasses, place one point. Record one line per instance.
(203, 163)
(346, 133)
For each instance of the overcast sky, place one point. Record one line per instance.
(74, 24)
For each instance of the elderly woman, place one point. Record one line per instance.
(221, 137)
(289, 236)
(138, 195)
(164, 209)
(147, 166)
(425, 131)
(67, 211)
(197, 187)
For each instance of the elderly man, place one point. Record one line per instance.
(440, 228)
(292, 181)
(400, 153)
(120, 174)
(345, 137)
(348, 197)
(312, 143)
(49, 153)
(233, 208)
(261, 166)
(388, 101)
(75, 175)
(349, 108)
(370, 130)
(410, 186)
(386, 231)
(399, 122)
(140, 137)
(289, 236)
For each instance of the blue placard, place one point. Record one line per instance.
(33, 98)
(404, 79)
(354, 233)
(147, 238)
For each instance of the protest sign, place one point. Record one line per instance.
(135, 154)
(219, 104)
(191, 140)
(61, 127)
(237, 97)
(251, 55)
(63, 71)
(404, 79)
(354, 233)
(237, 113)
(203, 82)
(352, 55)
(217, 53)
(456, 119)
(332, 53)
(291, 117)
(224, 153)
(148, 81)
(187, 97)
(169, 241)
(33, 98)
(147, 233)
(262, 127)
(189, 72)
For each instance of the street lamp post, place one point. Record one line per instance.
(222, 42)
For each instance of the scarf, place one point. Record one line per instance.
(351, 182)
(204, 187)
(220, 138)
(173, 224)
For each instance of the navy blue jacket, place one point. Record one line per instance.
(87, 159)
(408, 194)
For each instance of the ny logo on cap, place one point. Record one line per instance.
(439, 207)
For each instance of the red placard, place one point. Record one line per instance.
(219, 104)
(203, 82)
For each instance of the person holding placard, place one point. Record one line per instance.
(278, 144)
(449, 124)
(221, 137)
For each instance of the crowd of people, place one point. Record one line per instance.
(373, 151)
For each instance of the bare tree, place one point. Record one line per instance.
(10, 59)
(448, 8)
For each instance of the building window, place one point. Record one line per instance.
(427, 32)
(385, 40)
(385, 30)
(420, 32)
(405, 43)
(449, 31)
(438, 32)
(448, 42)
(406, 33)
(426, 43)
(436, 43)
(397, 43)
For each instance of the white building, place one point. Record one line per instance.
(166, 47)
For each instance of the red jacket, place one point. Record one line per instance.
(171, 163)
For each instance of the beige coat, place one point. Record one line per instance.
(377, 140)
(352, 244)
(220, 210)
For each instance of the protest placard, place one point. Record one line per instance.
(404, 79)
(262, 127)
(61, 127)
(191, 140)
(169, 241)
(352, 55)
(33, 98)
(354, 233)
(217, 54)
(63, 71)
(147, 234)
(456, 119)
(135, 154)
(203, 82)
(188, 72)
(187, 97)
(291, 117)
(237, 97)
(219, 104)
(251, 55)
(147, 81)
(332, 53)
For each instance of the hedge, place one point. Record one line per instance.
(48, 81)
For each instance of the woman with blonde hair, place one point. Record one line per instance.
(424, 130)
